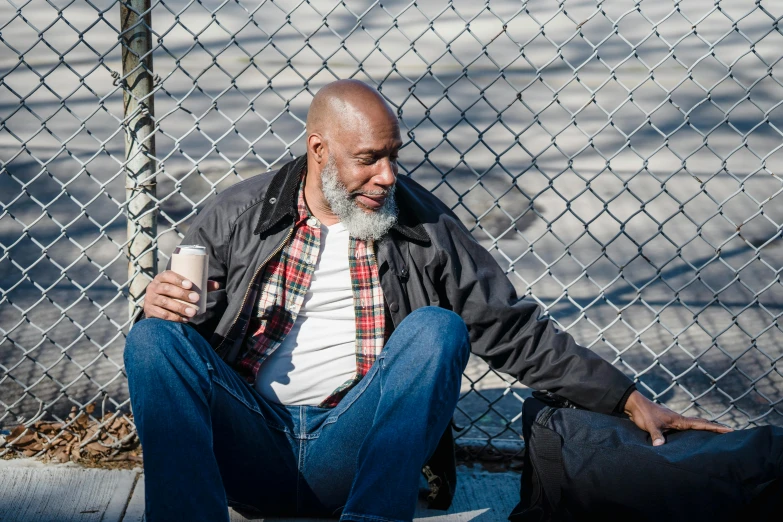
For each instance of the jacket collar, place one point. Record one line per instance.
(280, 198)
(280, 202)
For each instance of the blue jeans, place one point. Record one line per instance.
(211, 440)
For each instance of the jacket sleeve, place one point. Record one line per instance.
(508, 333)
(209, 230)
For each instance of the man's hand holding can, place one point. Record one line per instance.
(180, 293)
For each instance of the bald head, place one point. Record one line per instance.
(353, 138)
(347, 105)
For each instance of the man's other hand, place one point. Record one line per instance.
(655, 419)
(168, 295)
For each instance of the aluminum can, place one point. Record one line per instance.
(192, 263)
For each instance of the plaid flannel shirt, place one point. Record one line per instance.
(282, 288)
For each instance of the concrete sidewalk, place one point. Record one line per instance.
(34, 492)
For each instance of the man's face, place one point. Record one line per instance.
(359, 177)
(365, 155)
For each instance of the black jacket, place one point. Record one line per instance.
(429, 258)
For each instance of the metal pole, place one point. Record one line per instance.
(140, 163)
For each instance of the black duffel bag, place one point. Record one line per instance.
(583, 465)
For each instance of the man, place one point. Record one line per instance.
(343, 304)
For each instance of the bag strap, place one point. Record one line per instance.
(547, 453)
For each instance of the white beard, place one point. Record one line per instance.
(360, 224)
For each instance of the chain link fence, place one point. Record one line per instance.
(618, 158)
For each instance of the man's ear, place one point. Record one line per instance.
(316, 147)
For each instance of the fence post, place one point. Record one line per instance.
(140, 163)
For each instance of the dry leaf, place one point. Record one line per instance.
(61, 455)
(96, 447)
(17, 432)
(110, 440)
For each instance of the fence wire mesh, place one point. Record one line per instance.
(617, 157)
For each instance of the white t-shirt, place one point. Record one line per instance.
(319, 353)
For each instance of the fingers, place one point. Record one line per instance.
(212, 286)
(169, 296)
(172, 305)
(695, 423)
(170, 290)
(162, 313)
(173, 278)
(655, 419)
(657, 436)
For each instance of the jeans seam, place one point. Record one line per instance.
(231, 392)
(370, 518)
(300, 460)
(332, 420)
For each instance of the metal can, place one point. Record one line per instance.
(192, 263)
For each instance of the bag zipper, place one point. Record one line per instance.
(255, 275)
(545, 415)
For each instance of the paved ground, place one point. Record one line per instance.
(655, 240)
(32, 492)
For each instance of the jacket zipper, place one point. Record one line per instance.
(255, 275)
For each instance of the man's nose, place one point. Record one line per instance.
(388, 173)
